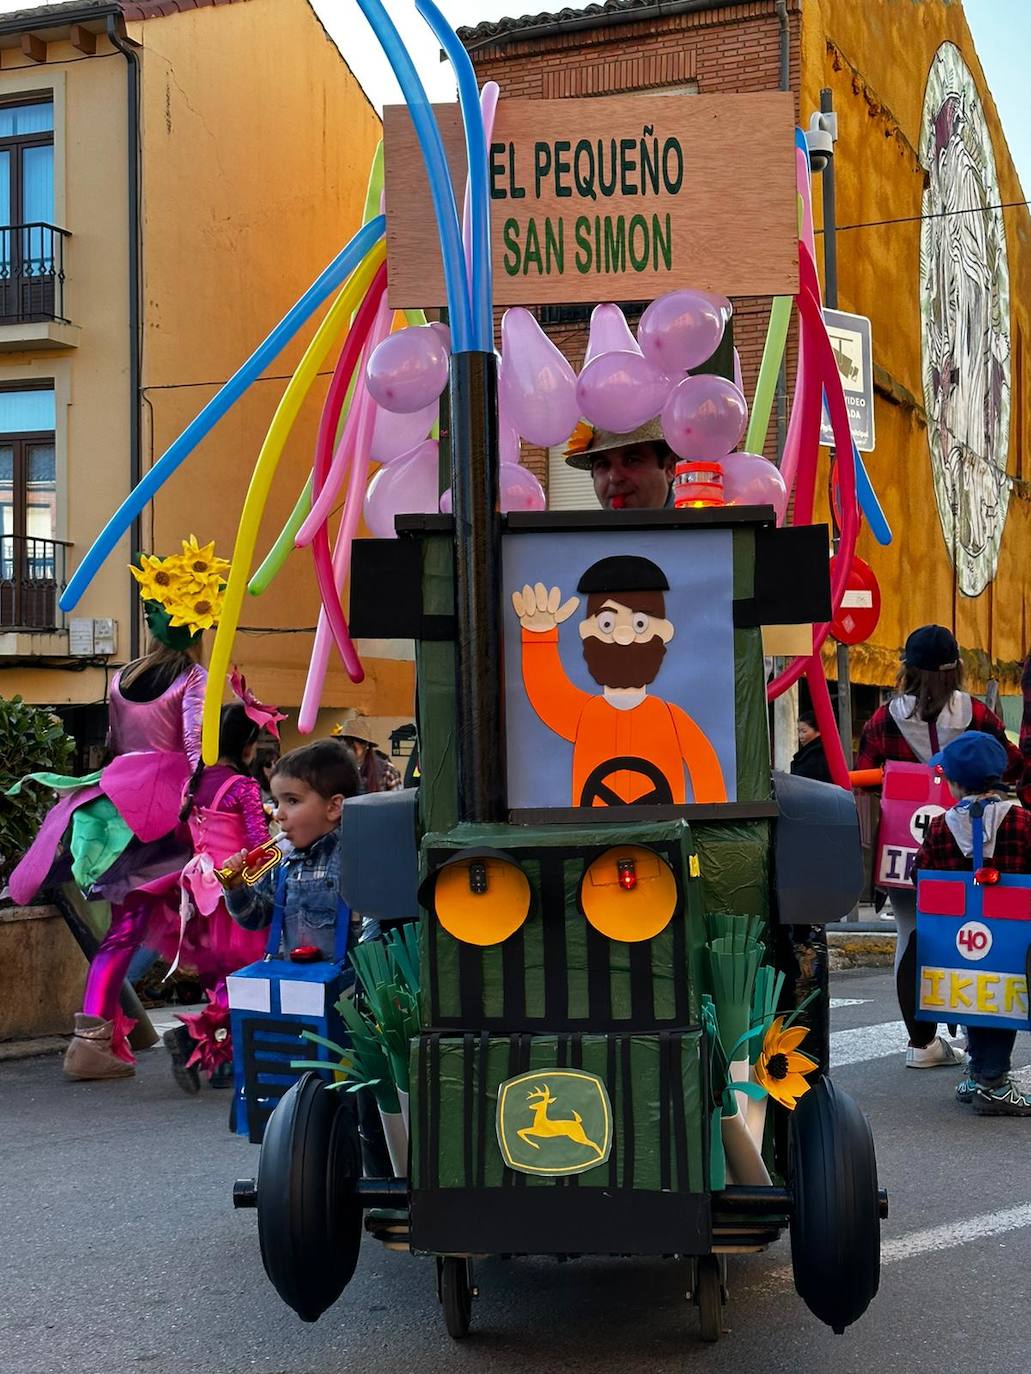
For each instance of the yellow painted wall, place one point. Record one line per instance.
(258, 141)
(875, 57)
(90, 381)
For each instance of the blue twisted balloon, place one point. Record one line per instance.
(338, 270)
(482, 286)
(441, 190)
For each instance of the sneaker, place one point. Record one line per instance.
(966, 1090)
(1005, 1099)
(179, 1044)
(938, 1054)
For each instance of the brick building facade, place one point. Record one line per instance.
(628, 46)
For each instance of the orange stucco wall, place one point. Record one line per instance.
(258, 142)
(875, 58)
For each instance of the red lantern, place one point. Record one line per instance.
(698, 484)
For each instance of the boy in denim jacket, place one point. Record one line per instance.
(309, 787)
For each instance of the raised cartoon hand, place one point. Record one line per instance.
(539, 609)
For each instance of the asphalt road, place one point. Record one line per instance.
(120, 1250)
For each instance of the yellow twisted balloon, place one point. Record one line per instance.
(336, 320)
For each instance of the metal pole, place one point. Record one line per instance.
(830, 274)
(474, 489)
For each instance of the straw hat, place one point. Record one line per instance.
(354, 728)
(586, 443)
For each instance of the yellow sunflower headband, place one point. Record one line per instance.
(182, 594)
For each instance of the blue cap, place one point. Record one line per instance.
(974, 760)
(932, 649)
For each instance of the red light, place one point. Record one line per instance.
(986, 877)
(626, 871)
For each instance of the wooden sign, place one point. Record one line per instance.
(619, 198)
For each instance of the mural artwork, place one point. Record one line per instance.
(964, 307)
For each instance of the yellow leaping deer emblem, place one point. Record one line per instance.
(544, 1126)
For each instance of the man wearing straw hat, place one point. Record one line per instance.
(630, 471)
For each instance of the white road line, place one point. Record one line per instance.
(849, 1002)
(956, 1233)
(861, 1043)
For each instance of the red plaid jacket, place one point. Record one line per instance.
(1012, 846)
(1025, 725)
(882, 740)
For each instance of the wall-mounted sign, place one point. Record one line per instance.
(853, 352)
(617, 198)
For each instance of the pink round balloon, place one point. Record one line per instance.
(408, 370)
(407, 487)
(394, 436)
(679, 331)
(720, 302)
(749, 480)
(443, 333)
(520, 490)
(508, 442)
(704, 417)
(537, 383)
(610, 333)
(619, 391)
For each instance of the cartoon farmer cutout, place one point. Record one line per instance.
(629, 748)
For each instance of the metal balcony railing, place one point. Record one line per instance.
(32, 578)
(31, 273)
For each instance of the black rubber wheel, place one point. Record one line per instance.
(835, 1220)
(709, 1297)
(456, 1295)
(309, 1214)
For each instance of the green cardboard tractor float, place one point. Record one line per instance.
(617, 1031)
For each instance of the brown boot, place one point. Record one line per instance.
(90, 1054)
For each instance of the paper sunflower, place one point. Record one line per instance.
(197, 610)
(200, 565)
(581, 438)
(780, 1068)
(158, 578)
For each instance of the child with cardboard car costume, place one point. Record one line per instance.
(973, 765)
(929, 710)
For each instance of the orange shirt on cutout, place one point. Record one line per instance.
(656, 731)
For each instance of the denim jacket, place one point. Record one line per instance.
(312, 896)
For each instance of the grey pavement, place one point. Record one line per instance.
(120, 1250)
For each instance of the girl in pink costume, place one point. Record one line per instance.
(224, 813)
(121, 825)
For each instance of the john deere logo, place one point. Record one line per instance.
(558, 1121)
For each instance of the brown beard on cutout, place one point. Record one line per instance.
(623, 665)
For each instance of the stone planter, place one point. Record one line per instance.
(42, 973)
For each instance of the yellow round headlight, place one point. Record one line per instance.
(481, 901)
(629, 893)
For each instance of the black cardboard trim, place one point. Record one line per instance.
(553, 916)
(560, 1221)
(468, 1107)
(594, 815)
(679, 1115)
(664, 1105)
(627, 1094)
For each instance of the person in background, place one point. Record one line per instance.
(632, 471)
(1025, 733)
(377, 773)
(928, 711)
(974, 764)
(810, 761)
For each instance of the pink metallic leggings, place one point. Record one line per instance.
(111, 962)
